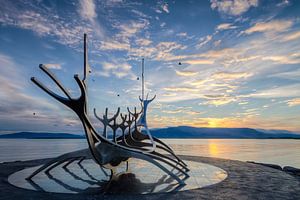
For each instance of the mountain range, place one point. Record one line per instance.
(178, 132)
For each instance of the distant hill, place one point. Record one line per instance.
(179, 132)
(35, 135)
(238, 133)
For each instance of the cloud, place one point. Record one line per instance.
(193, 112)
(164, 49)
(204, 40)
(199, 62)
(278, 92)
(293, 102)
(182, 34)
(121, 41)
(114, 45)
(165, 7)
(172, 111)
(17, 106)
(229, 76)
(119, 69)
(183, 110)
(218, 99)
(67, 31)
(163, 24)
(275, 26)
(199, 83)
(292, 75)
(113, 3)
(225, 26)
(158, 11)
(292, 36)
(130, 29)
(287, 59)
(88, 9)
(180, 89)
(233, 7)
(283, 3)
(169, 46)
(217, 43)
(162, 7)
(186, 73)
(143, 42)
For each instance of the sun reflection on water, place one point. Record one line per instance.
(213, 148)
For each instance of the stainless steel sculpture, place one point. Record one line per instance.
(110, 153)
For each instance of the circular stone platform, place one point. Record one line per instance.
(244, 181)
(142, 178)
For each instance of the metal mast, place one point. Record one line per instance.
(86, 67)
(143, 84)
(85, 61)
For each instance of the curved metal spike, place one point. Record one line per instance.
(113, 117)
(106, 112)
(152, 98)
(147, 98)
(116, 115)
(99, 118)
(129, 111)
(48, 91)
(123, 118)
(52, 76)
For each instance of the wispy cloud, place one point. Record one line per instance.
(186, 73)
(225, 26)
(288, 59)
(275, 26)
(293, 102)
(38, 20)
(143, 42)
(88, 9)
(277, 92)
(229, 76)
(204, 40)
(233, 7)
(292, 74)
(199, 62)
(114, 45)
(182, 34)
(165, 7)
(119, 69)
(218, 100)
(291, 36)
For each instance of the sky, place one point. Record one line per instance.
(231, 63)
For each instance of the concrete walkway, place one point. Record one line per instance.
(244, 181)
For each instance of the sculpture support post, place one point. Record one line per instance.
(143, 85)
(86, 67)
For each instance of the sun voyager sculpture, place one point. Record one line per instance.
(108, 149)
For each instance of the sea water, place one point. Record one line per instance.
(276, 151)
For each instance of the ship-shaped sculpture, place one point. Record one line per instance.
(111, 152)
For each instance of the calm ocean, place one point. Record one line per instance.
(281, 152)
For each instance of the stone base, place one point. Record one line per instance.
(244, 181)
(141, 178)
